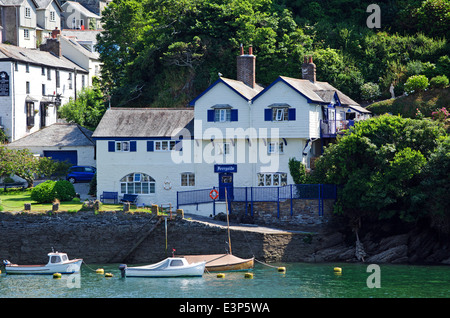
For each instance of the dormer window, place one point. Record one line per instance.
(52, 15)
(279, 112)
(222, 113)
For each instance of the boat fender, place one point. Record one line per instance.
(57, 275)
(122, 268)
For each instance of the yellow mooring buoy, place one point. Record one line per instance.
(337, 270)
(109, 275)
(221, 275)
(100, 271)
(57, 275)
(248, 275)
(281, 269)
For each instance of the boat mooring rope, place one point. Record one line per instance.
(88, 266)
(265, 263)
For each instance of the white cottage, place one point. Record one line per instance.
(236, 134)
(33, 83)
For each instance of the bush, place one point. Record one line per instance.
(416, 83)
(64, 190)
(48, 191)
(440, 81)
(370, 91)
(44, 192)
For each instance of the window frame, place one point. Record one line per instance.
(137, 180)
(122, 146)
(187, 179)
(272, 179)
(164, 145)
(280, 114)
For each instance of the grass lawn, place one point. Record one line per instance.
(13, 201)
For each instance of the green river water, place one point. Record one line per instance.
(300, 280)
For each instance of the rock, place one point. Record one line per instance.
(397, 254)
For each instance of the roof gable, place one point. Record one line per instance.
(317, 92)
(238, 87)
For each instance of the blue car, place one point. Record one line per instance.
(80, 173)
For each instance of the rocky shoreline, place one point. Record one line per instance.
(115, 237)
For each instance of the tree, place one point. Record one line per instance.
(87, 110)
(20, 162)
(379, 167)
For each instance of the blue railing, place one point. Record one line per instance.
(249, 195)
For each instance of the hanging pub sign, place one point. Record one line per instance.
(4, 84)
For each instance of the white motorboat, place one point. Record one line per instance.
(170, 267)
(57, 263)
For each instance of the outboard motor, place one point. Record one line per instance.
(122, 268)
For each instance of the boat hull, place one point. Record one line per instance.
(157, 270)
(70, 267)
(222, 262)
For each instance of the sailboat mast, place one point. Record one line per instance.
(228, 220)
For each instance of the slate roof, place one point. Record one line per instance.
(57, 135)
(144, 122)
(79, 8)
(35, 56)
(319, 92)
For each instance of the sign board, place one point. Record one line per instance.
(225, 168)
(4, 84)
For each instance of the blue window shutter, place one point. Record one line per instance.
(268, 114)
(133, 145)
(150, 145)
(234, 115)
(210, 114)
(291, 114)
(111, 146)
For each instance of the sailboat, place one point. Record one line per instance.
(223, 262)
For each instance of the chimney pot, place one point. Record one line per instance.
(308, 69)
(250, 50)
(246, 66)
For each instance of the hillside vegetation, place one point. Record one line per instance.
(163, 53)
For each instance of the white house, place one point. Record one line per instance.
(243, 135)
(77, 16)
(27, 22)
(80, 55)
(33, 83)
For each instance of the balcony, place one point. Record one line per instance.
(332, 128)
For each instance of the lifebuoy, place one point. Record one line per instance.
(214, 194)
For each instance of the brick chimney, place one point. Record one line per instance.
(53, 44)
(246, 65)
(309, 69)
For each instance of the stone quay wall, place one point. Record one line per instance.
(109, 237)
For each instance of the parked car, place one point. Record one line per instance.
(80, 173)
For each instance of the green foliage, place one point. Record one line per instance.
(87, 109)
(20, 162)
(50, 190)
(64, 190)
(380, 166)
(416, 83)
(370, 91)
(44, 192)
(298, 171)
(439, 81)
(49, 168)
(93, 185)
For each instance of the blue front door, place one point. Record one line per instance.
(225, 182)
